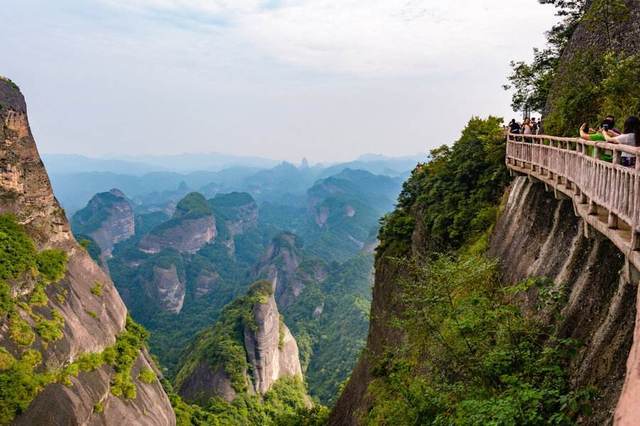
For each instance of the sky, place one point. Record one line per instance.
(328, 80)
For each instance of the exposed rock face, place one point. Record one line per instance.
(539, 236)
(206, 282)
(62, 405)
(167, 289)
(186, 236)
(269, 348)
(108, 219)
(271, 354)
(236, 214)
(282, 265)
(206, 383)
(26, 192)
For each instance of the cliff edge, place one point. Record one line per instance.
(61, 317)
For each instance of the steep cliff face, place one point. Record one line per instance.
(221, 363)
(191, 228)
(108, 219)
(282, 264)
(167, 288)
(538, 235)
(271, 348)
(91, 320)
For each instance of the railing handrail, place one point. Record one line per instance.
(592, 182)
(603, 145)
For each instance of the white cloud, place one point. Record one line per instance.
(371, 37)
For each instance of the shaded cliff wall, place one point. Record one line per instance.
(90, 323)
(537, 235)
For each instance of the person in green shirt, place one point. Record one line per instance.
(595, 136)
(590, 134)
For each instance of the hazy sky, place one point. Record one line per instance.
(325, 79)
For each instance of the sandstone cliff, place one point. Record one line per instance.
(107, 219)
(221, 363)
(236, 214)
(283, 265)
(191, 228)
(84, 301)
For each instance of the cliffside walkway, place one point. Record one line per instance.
(604, 193)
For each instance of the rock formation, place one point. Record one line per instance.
(220, 364)
(282, 264)
(108, 219)
(92, 319)
(191, 228)
(236, 214)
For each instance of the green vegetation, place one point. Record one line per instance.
(223, 344)
(20, 331)
(471, 356)
(21, 379)
(50, 330)
(147, 376)
(98, 408)
(90, 246)
(594, 81)
(17, 251)
(52, 264)
(330, 321)
(91, 218)
(193, 206)
(97, 289)
(11, 83)
(284, 404)
(454, 195)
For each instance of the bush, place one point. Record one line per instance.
(20, 331)
(52, 264)
(471, 356)
(97, 289)
(50, 330)
(17, 251)
(147, 376)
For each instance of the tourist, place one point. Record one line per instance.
(514, 126)
(609, 125)
(534, 126)
(526, 127)
(589, 134)
(630, 137)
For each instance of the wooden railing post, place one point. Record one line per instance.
(635, 233)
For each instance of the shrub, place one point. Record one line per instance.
(6, 359)
(52, 264)
(97, 288)
(20, 331)
(6, 301)
(17, 251)
(39, 296)
(50, 330)
(147, 376)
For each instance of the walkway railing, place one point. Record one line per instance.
(600, 188)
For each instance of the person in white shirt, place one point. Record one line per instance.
(630, 136)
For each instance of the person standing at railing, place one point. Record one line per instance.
(589, 134)
(630, 137)
(527, 129)
(514, 126)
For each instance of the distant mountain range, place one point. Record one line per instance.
(77, 178)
